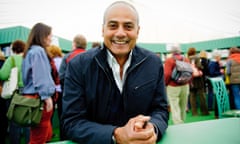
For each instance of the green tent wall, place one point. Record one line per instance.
(8, 35)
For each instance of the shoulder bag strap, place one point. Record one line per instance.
(13, 61)
(174, 57)
(14, 65)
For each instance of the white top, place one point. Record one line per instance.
(116, 69)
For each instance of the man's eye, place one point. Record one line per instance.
(112, 26)
(129, 27)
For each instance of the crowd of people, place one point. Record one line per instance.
(198, 93)
(116, 92)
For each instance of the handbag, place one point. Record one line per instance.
(25, 110)
(10, 85)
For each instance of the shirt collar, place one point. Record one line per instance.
(111, 59)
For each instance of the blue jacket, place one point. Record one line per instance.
(214, 69)
(90, 90)
(36, 73)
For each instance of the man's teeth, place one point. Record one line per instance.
(120, 42)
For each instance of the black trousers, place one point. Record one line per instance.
(3, 120)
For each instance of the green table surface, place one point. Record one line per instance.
(219, 131)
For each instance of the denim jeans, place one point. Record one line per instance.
(236, 95)
(210, 98)
(15, 132)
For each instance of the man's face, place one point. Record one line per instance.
(120, 30)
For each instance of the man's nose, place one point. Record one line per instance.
(120, 32)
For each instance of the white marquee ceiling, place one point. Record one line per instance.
(161, 21)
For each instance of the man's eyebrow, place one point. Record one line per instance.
(126, 22)
(112, 21)
(129, 22)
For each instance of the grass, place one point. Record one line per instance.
(190, 118)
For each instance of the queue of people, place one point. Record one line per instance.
(116, 92)
(197, 86)
(15, 131)
(201, 94)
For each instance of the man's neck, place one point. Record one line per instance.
(121, 60)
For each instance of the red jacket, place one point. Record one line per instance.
(74, 53)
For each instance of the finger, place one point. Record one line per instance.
(140, 125)
(151, 140)
(145, 135)
(141, 122)
(143, 118)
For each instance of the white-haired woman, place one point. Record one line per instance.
(215, 70)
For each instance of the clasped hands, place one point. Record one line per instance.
(138, 130)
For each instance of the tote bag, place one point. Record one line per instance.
(10, 85)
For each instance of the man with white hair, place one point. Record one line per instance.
(115, 93)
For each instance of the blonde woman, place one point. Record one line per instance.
(56, 55)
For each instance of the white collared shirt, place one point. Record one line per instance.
(116, 69)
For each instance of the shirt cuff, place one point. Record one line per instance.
(155, 129)
(113, 140)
